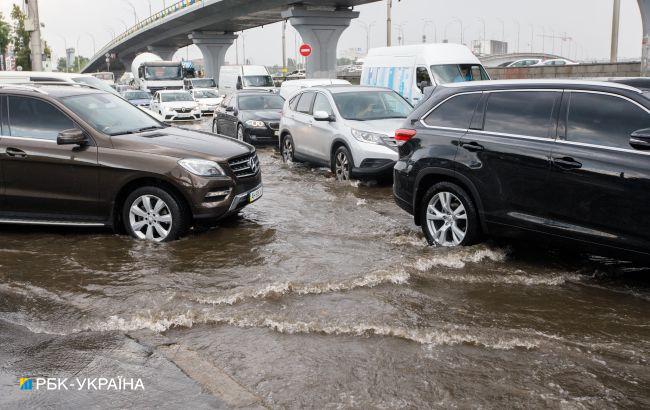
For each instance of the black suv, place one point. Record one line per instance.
(569, 159)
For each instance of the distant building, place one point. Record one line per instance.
(489, 47)
(353, 53)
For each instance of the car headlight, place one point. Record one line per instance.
(369, 137)
(202, 167)
(256, 124)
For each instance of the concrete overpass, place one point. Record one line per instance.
(211, 24)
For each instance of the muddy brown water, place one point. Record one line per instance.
(324, 294)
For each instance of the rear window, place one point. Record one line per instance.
(304, 104)
(456, 112)
(521, 112)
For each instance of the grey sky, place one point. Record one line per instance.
(587, 22)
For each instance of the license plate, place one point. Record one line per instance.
(255, 195)
(276, 133)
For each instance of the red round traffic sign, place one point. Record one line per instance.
(305, 50)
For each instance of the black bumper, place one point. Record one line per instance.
(261, 135)
(374, 168)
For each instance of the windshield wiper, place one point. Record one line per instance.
(153, 127)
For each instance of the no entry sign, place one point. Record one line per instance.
(305, 50)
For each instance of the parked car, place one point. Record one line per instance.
(192, 83)
(349, 129)
(410, 69)
(250, 116)
(565, 159)
(175, 105)
(290, 87)
(527, 62)
(208, 99)
(556, 62)
(81, 157)
(138, 98)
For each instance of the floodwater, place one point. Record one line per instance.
(324, 295)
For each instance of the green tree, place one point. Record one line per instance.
(20, 39)
(5, 37)
(60, 65)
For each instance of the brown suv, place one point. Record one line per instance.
(74, 155)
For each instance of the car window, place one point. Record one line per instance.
(294, 101)
(260, 102)
(226, 101)
(458, 73)
(371, 105)
(177, 97)
(322, 104)
(521, 112)
(33, 118)
(456, 112)
(604, 120)
(422, 78)
(304, 104)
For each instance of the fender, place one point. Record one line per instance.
(451, 174)
(336, 141)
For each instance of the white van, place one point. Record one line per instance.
(409, 69)
(244, 77)
(17, 77)
(290, 87)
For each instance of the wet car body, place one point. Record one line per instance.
(589, 193)
(257, 126)
(86, 184)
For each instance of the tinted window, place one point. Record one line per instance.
(32, 118)
(321, 104)
(520, 112)
(422, 76)
(293, 102)
(455, 113)
(304, 104)
(458, 73)
(260, 102)
(371, 105)
(604, 120)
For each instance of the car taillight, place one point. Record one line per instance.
(404, 135)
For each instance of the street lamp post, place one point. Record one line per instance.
(424, 30)
(482, 20)
(366, 27)
(389, 22)
(94, 43)
(532, 37)
(65, 45)
(135, 13)
(518, 34)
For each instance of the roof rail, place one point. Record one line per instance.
(21, 86)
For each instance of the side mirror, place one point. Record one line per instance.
(71, 137)
(230, 109)
(322, 116)
(640, 139)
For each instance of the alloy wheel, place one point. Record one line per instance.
(287, 150)
(447, 219)
(240, 133)
(150, 218)
(342, 167)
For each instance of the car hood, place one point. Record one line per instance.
(182, 143)
(261, 115)
(387, 126)
(209, 101)
(179, 104)
(140, 102)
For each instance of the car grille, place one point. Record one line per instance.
(246, 166)
(183, 110)
(274, 126)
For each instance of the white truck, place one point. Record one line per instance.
(244, 77)
(153, 74)
(410, 69)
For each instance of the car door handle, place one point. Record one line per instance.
(15, 152)
(566, 163)
(472, 146)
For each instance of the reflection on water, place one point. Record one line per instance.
(324, 292)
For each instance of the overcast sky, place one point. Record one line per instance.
(586, 22)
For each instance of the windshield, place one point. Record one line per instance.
(206, 94)
(179, 96)
(110, 114)
(96, 83)
(260, 102)
(204, 83)
(163, 73)
(137, 95)
(258, 81)
(371, 105)
(458, 73)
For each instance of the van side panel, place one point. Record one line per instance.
(397, 73)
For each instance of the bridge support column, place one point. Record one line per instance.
(644, 5)
(321, 29)
(164, 52)
(126, 60)
(213, 46)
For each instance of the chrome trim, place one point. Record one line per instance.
(503, 134)
(49, 223)
(584, 144)
(610, 94)
(564, 83)
(28, 139)
(238, 198)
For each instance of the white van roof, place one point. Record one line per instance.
(435, 53)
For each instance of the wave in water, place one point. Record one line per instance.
(457, 258)
(276, 290)
(511, 279)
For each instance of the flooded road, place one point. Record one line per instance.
(322, 295)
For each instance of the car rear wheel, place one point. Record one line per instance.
(342, 165)
(288, 149)
(153, 214)
(448, 216)
(241, 135)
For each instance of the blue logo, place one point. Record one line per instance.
(25, 383)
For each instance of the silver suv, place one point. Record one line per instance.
(347, 128)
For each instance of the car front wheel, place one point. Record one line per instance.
(342, 164)
(288, 149)
(153, 214)
(448, 216)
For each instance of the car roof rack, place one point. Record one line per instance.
(22, 86)
(36, 85)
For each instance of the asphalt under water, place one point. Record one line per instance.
(322, 294)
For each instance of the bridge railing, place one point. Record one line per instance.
(176, 7)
